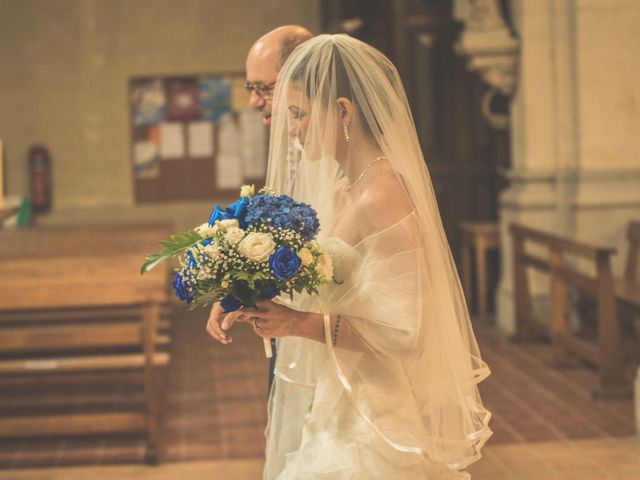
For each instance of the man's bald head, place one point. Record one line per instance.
(265, 59)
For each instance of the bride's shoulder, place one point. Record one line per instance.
(386, 194)
(341, 184)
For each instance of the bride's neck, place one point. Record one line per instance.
(356, 157)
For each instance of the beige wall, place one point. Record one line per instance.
(608, 67)
(578, 93)
(64, 68)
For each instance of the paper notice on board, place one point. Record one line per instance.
(253, 144)
(145, 160)
(200, 139)
(171, 141)
(229, 172)
(229, 164)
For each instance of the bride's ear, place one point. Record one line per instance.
(345, 110)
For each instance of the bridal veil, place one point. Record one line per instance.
(403, 358)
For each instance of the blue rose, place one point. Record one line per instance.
(184, 291)
(269, 291)
(217, 214)
(238, 210)
(284, 263)
(230, 303)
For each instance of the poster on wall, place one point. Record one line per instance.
(183, 100)
(148, 102)
(215, 98)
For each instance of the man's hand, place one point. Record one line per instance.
(216, 322)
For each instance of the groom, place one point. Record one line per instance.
(264, 61)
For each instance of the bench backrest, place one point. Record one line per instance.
(90, 334)
(633, 236)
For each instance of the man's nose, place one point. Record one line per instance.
(256, 101)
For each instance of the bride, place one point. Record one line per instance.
(376, 376)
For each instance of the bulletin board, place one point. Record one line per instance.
(194, 137)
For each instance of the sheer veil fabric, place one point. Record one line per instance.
(392, 393)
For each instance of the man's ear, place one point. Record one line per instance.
(345, 110)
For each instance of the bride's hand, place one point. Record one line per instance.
(269, 319)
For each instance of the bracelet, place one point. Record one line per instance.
(335, 330)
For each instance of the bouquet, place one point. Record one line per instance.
(260, 246)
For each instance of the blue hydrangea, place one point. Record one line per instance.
(282, 211)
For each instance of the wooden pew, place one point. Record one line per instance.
(73, 304)
(628, 287)
(87, 240)
(561, 263)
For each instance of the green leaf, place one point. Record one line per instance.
(240, 275)
(176, 246)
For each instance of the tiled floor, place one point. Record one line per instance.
(608, 459)
(592, 459)
(214, 411)
(532, 402)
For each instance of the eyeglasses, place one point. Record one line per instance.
(262, 91)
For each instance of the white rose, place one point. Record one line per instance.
(306, 257)
(247, 191)
(257, 246)
(324, 267)
(211, 251)
(205, 230)
(226, 224)
(233, 235)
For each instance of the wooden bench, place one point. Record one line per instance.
(564, 261)
(479, 238)
(627, 288)
(77, 308)
(90, 240)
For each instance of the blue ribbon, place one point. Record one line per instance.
(237, 210)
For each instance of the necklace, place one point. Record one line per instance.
(364, 172)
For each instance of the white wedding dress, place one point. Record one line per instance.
(339, 446)
(317, 430)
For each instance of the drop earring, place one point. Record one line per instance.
(347, 137)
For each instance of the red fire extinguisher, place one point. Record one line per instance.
(40, 175)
